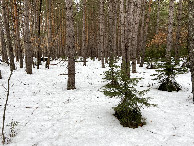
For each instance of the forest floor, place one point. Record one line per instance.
(49, 115)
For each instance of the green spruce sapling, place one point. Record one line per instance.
(128, 111)
(166, 76)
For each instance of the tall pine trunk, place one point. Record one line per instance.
(101, 42)
(84, 49)
(170, 29)
(70, 44)
(5, 13)
(178, 31)
(27, 43)
(191, 41)
(3, 43)
(144, 41)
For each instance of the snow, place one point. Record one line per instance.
(50, 115)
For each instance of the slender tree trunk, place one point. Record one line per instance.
(5, 13)
(101, 45)
(84, 50)
(136, 19)
(27, 43)
(37, 26)
(49, 45)
(122, 17)
(158, 16)
(170, 29)
(70, 44)
(3, 43)
(191, 41)
(178, 31)
(17, 34)
(144, 41)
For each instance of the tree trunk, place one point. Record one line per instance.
(178, 31)
(136, 19)
(5, 13)
(49, 45)
(37, 26)
(158, 17)
(101, 45)
(3, 44)
(70, 44)
(84, 49)
(170, 29)
(17, 34)
(144, 41)
(191, 41)
(27, 43)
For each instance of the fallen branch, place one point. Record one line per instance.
(5, 107)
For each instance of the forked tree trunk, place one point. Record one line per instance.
(5, 13)
(191, 41)
(70, 44)
(27, 43)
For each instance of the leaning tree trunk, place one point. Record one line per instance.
(170, 29)
(178, 31)
(191, 41)
(5, 13)
(70, 44)
(27, 43)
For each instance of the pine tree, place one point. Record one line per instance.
(120, 85)
(166, 76)
(191, 41)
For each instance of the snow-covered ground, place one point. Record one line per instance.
(49, 115)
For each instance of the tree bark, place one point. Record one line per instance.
(144, 41)
(136, 19)
(170, 29)
(37, 26)
(191, 41)
(27, 43)
(70, 44)
(158, 16)
(17, 34)
(5, 13)
(84, 49)
(101, 42)
(3, 43)
(178, 31)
